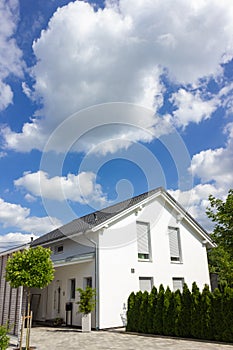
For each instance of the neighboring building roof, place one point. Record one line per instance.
(15, 249)
(101, 217)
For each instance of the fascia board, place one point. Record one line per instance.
(189, 219)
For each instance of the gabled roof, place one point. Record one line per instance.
(103, 217)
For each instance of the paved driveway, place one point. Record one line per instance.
(70, 339)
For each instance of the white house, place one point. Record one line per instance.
(144, 241)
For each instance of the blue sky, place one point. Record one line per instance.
(101, 101)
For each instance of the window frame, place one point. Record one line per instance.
(144, 256)
(146, 278)
(175, 259)
(178, 279)
(86, 281)
(72, 288)
(57, 249)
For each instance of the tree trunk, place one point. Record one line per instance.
(28, 319)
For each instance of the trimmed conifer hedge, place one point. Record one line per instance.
(190, 314)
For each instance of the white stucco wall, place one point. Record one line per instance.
(118, 255)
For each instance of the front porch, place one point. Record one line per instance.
(57, 303)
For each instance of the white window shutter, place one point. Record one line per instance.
(178, 284)
(174, 243)
(143, 237)
(145, 284)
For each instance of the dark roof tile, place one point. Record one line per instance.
(89, 221)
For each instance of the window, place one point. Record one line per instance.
(72, 288)
(143, 239)
(174, 242)
(58, 249)
(145, 284)
(87, 282)
(178, 283)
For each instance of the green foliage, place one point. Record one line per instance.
(205, 314)
(185, 313)
(30, 268)
(221, 257)
(221, 213)
(167, 313)
(152, 303)
(130, 313)
(87, 300)
(4, 339)
(176, 313)
(158, 313)
(217, 315)
(221, 262)
(227, 314)
(195, 311)
(201, 315)
(143, 312)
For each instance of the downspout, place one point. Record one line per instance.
(96, 279)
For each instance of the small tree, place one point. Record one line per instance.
(87, 300)
(30, 268)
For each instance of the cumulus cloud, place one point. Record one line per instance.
(11, 56)
(195, 201)
(14, 239)
(14, 215)
(119, 53)
(216, 164)
(214, 168)
(80, 188)
(191, 107)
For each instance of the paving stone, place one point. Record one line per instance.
(72, 339)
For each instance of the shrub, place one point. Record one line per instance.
(4, 339)
(131, 320)
(158, 314)
(87, 300)
(202, 315)
(195, 311)
(185, 313)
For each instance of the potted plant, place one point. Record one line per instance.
(86, 306)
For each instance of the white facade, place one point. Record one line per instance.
(109, 255)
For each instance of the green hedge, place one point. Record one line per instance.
(190, 314)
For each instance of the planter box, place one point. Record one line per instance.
(86, 322)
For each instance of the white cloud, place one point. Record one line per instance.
(14, 239)
(214, 168)
(11, 56)
(6, 95)
(191, 107)
(29, 198)
(3, 154)
(118, 53)
(80, 188)
(195, 201)
(216, 164)
(14, 215)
